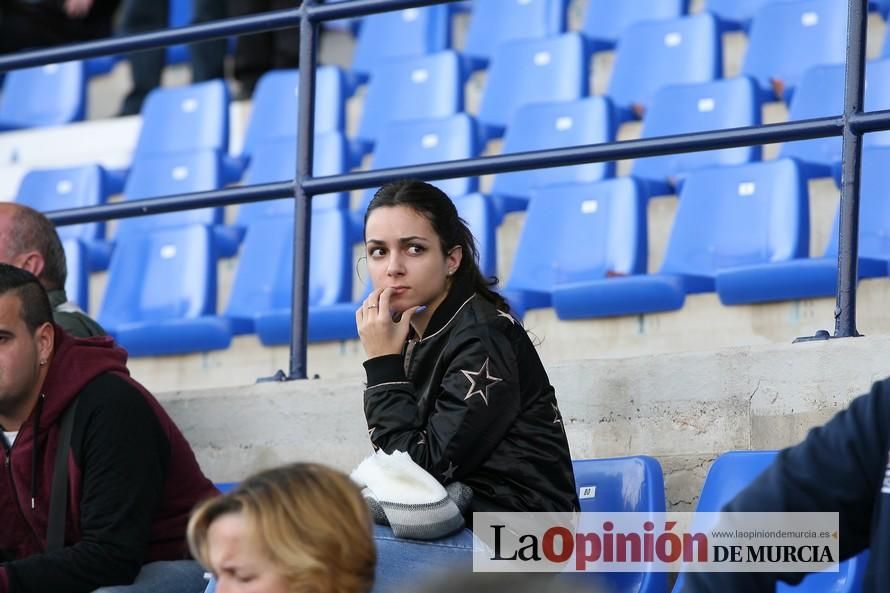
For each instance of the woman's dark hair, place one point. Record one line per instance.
(432, 203)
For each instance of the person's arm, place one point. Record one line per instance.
(124, 457)
(478, 400)
(837, 468)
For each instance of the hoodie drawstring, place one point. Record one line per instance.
(35, 451)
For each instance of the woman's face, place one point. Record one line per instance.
(236, 560)
(405, 255)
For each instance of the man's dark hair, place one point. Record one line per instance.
(35, 309)
(31, 230)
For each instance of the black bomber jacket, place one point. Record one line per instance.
(471, 402)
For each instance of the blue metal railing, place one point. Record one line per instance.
(850, 124)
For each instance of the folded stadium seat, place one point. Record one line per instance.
(652, 54)
(172, 174)
(424, 141)
(71, 187)
(532, 71)
(560, 124)
(575, 232)
(712, 229)
(786, 38)
(736, 14)
(700, 107)
(621, 485)
(817, 276)
(730, 473)
(404, 33)
(161, 293)
(276, 160)
(273, 114)
(605, 20)
(821, 94)
(494, 22)
(50, 95)
(263, 281)
(77, 282)
(882, 6)
(411, 88)
(337, 321)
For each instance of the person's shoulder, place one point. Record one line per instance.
(484, 318)
(111, 391)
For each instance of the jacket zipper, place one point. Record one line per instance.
(409, 351)
(15, 495)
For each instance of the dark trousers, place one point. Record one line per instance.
(258, 53)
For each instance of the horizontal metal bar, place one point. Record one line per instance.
(871, 121)
(131, 208)
(356, 8)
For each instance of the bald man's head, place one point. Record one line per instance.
(29, 240)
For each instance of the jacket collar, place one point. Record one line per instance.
(457, 297)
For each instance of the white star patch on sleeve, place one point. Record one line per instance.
(448, 474)
(480, 381)
(371, 437)
(556, 419)
(506, 315)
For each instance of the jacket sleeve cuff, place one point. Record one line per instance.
(4, 580)
(384, 369)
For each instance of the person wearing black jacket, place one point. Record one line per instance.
(453, 378)
(132, 477)
(41, 23)
(842, 467)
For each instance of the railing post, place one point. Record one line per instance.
(303, 199)
(848, 241)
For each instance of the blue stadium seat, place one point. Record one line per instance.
(494, 22)
(736, 14)
(161, 294)
(786, 38)
(730, 473)
(652, 54)
(574, 232)
(817, 276)
(678, 109)
(399, 34)
(425, 141)
(337, 321)
(412, 88)
(71, 187)
(718, 208)
(821, 94)
(50, 95)
(606, 20)
(537, 126)
(274, 107)
(277, 160)
(622, 485)
(77, 283)
(186, 118)
(172, 174)
(263, 282)
(532, 71)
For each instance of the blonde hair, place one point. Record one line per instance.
(308, 519)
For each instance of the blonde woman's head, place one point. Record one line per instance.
(300, 528)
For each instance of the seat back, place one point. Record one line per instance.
(264, 278)
(786, 38)
(494, 22)
(538, 126)
(70, 187)
(186, 118)
(273, 115)
(532, 71)
(736, 14)
(164, 275)
(580, 232)
(605, 20)
(50, 95)
(652, 54)
(700, 107)
(734, 216)
(401, 33)
(276, 161)
(821, 94)
(874, 208)
(167, 175)
(77, 282)
(412, 88)
(479, 214)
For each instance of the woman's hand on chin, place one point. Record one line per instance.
(379, 332)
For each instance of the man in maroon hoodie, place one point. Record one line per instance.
(132, 478)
